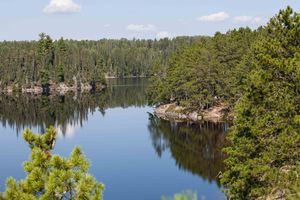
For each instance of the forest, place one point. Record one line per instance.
(256, 73)
(48, 62)
(213, 69)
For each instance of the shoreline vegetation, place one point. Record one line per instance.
(68, 65)
(62, 88)
(249, 76)
(255, 73)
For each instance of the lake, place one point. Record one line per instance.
(136, 155)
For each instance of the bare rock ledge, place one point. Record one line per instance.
(218, 113)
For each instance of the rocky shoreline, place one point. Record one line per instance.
(173, 112)
(60, 88)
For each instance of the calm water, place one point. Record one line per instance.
(135, 155)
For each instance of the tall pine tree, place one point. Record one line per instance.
(264, 154)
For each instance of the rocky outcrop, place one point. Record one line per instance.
(53, 88)
(63, 88)
(172, 111)
(85, 87)
(33, 90)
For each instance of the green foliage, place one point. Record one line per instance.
(264, 156)
(156, 91)
(204, 73)
(257, 72)
(51, 176)
(45, 78)
(60, 73)
(53, 61)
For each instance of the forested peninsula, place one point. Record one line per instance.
(203, 81)
(251, 77)
(254, 77)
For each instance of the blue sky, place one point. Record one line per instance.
(95, 19)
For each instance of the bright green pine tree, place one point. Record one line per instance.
(51, 177)
(264, 154)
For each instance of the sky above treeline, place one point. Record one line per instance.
(96, 19)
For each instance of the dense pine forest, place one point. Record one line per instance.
(210, 70)
(255, 73)
(25, 64)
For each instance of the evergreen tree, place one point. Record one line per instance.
(45, 78)
(60, 74)
(25, 63)
(51, 176)
(264, 154)
(204, 73)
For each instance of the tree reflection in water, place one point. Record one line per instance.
(64, 111)
(195, 147)
(27, 111)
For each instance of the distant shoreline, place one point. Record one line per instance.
(116, 77)
(53, 88)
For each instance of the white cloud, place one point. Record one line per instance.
(67, 131)
(163, 34)
(215, 17)
(62, 6)
(247, 19)
(141, 27)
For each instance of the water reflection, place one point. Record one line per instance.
(71, 110)
(24, 111)
(195, 147)
(127, 92)
(113, 128)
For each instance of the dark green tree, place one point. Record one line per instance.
(264, 154)
(26, 62)
(45, 78)
(204, 73)
(60, 73)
